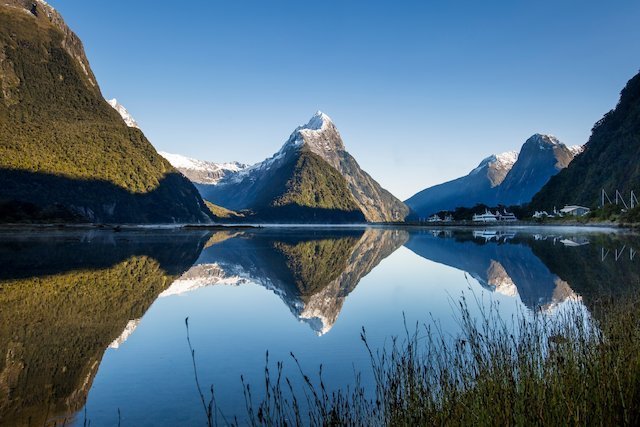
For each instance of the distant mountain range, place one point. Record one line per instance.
(609, 162)
(202, 171)
(509, 178)
(66, 155)
(312, 178)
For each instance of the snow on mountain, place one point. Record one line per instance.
(126, 333)
(202, 276)
(496, 166)
(317, 123)
(318, 138)
(576, 149)
(128, 118)
(202, 171)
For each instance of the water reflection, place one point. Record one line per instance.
(67, 297)
(64, 298)
(312, 272)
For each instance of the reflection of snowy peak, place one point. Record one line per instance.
(200, 276)
(562, 294)
(500, 280)
(277, 266)
(506, 266)
(128, 330)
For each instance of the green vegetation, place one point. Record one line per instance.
(223, 213)
(303, 188)
(609, 161)
(316, 263)
(54, 330)
(315, 184)
(54, 123)
(571, 369)
(566, 370)
(631, 217)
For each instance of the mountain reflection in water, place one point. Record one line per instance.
(66, 297)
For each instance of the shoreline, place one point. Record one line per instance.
(469, 225)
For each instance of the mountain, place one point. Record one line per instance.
(541, 157)
(476, 187)
(510, 178)
(66, 154)
(313, 272)
(610, 158)
(201, 171)
(128, 118)
(311, 178)
(504, 264)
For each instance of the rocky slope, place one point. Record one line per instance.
(312, 177)
(541, 157)
(66, 155)
(610, 158)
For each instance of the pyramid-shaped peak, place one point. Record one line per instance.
(318, 121)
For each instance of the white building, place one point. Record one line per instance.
(574, 210)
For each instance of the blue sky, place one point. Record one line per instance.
(420, 90)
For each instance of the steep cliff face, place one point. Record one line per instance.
(541, 157)
(311, 178)
(65, 154)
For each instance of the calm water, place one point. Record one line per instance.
(95, 321)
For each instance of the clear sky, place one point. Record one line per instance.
(420, 90)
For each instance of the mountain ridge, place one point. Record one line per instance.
(509, 178)
(61, 135)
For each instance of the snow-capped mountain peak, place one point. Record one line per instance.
(312, 134)
(544, 141)
(319, 121)
(128, 118)
(202, 171)
(497, 166)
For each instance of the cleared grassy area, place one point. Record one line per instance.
(574, 368)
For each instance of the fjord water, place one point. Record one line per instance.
(93, 322)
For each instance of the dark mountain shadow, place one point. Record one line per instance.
(608, 267)
(39, 197)
(311, 271)
(56, 323)
(36, 254)
(504, 264)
